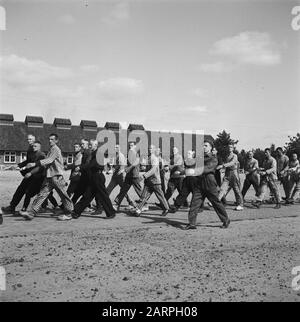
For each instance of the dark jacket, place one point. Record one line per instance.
(30, 157)
(92, 168)
(207, 179)
(38, 172)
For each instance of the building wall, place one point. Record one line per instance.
(18, 157)
(21, 156)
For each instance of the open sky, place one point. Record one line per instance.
(169, 65)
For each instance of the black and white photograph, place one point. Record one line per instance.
(149, 153)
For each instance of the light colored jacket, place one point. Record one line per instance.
(270, 166)
(251, 166)
(153, 175)
(53, 163)
(231, 165)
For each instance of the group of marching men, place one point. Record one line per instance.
(44, 173)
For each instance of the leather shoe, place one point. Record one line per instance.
(226, 224)
(164, 213)
(111, 216)
(189, 226)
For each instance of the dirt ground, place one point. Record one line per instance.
(150, 258)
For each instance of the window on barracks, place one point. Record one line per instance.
(23, 156)
(9, 157)
(70, 158)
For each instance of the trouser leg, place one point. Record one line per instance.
(286, 186)
(296, 190)
(196, 203)
(146, 194)
(52, 199)
(20, 192)
(123, 192)
(274, 189)
(171, 188)
(137, 186)
(180, 199)
(160, 196)
(112, 184)
(263, 190)
(86, 199)
(72, 187)
(102, 195)
(224, 188)
(59, 185)
(80, 188)
(246, 186)
(255, 182)
(33, 189)
(42, 195)
(212, 196)
(235, 183)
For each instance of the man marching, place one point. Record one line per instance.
(152, 183)
(23, 186)
(252, 177)
(268, 179)
(54, 180)
(231, 178)
(207, 187)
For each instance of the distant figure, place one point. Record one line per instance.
(268, 175)
(252, 177)
(231, 178)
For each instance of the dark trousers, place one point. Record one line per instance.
(118, 180)
(163, 180)
(129, 181)
(80, 188)
(95, 189)
(147, 192)
(188, 186)
(173, 184)
(72, 187)
(251, 179)
(51, 199)
(32, 190)
(20, 192)
(209, 190)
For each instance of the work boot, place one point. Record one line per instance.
(8, 210)
(257, 204)
(189, 226)
(226, 224)
(278, 206)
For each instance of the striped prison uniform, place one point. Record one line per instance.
(54, 180)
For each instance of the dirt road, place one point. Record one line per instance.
(150, 258)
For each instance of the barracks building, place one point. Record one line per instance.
(13, 134)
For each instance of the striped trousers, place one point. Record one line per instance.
(59, 184)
